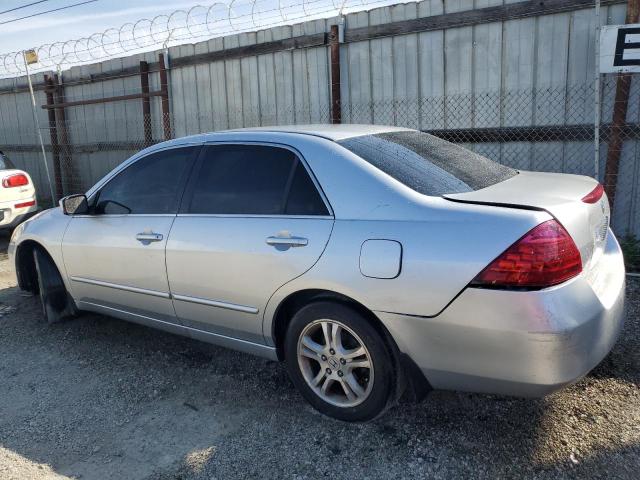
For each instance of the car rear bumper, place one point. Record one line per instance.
(11, 216)
(515, 342)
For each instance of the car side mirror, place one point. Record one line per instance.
(75, 205)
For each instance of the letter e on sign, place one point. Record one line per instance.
(620, 48)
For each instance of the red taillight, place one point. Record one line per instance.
(25, 204)
(545, 256)
(16, 180)
(594, 195)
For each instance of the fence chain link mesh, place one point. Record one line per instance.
(547, 129)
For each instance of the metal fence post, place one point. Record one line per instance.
(146, 103)
(61, 119)
(616, 142)
(596, 94)
(164, 88)
(334, 43)
(53, 132)
(37, 125)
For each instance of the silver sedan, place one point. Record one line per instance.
(376, 262)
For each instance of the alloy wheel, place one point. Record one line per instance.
(335, 363)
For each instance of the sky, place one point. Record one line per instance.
(75, 22)
(90, 20)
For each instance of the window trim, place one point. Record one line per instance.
(128, 164)
(188, 190)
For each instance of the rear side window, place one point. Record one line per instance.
(303, 198)
(253, 180)
(428, 164)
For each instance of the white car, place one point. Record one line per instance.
(17, 194)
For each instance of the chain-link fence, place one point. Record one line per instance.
(549, 129)
(546, 130)
(618, 146)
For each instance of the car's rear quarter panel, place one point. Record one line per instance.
(525, 343)
(559, 194)
(440, 256)
(444, 244)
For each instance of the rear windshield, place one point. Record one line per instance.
(5, 163)
(428, 164)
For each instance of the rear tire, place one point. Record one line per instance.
(56, 303)
(339, 362)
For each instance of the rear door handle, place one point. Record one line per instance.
(147, 238)
(287, 241)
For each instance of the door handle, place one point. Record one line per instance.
(147, 238)
(287, 241)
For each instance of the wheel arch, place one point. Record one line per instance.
(411, 378)
(25, 264)
(293, 302)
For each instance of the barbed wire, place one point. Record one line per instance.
(196, 23)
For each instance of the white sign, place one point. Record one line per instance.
(620, 48)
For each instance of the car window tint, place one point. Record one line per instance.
(304, 198)
(251, 180)
(5, 163)
(149, 186)
(428, 164)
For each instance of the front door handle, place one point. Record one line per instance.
(287, 241)
(146, 237)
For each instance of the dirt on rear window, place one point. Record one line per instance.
(428, 164)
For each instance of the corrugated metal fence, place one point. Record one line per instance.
(511, 80)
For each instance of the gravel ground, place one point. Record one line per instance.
(98, 398)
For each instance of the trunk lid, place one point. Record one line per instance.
(560, 195)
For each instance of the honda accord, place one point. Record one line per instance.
(376, 262)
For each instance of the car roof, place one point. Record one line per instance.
(328, 131)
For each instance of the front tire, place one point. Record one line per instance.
(339, 362)
(55, 301)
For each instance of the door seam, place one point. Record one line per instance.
(166, 272)
(266, 305)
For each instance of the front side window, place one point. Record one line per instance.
(253, 180)
(150, 186)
